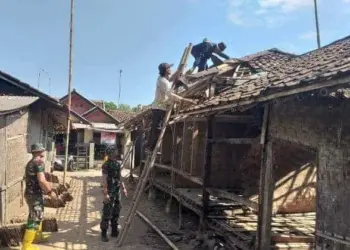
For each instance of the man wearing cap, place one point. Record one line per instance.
(111, 174)
(163, 97)
(36, 186)
(203, 51)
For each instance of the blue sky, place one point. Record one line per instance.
(136, 35)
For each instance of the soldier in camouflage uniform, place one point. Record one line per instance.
(36, 185)
(111, 190)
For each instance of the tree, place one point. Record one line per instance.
(110, 106)
(122, 107)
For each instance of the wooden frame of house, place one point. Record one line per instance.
(264, 160)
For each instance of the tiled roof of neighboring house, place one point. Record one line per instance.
(145, 111)
(326, 63)
(99, 103)
(10, 104)
(26, 87)
(122, 115)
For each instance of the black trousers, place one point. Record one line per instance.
(156, 126)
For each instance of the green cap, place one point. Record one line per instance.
(37, 147)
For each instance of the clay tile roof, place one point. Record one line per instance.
(99, 103)
(326, 63)
(121, 115)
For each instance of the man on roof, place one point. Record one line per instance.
(164, 96)
(203, 51)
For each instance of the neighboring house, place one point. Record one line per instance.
(27, 116)
(92, 123)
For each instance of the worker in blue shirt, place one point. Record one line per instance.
(204, 51)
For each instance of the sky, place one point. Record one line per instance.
(136, 35)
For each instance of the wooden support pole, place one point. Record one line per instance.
(194, 146)
(173, 164)
(183, 143)
(266, 187)
(206, 178)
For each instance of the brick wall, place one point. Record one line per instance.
(322, 124)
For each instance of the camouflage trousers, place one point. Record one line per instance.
(36, 211)
(111, 211)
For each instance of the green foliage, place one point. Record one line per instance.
(123, 107)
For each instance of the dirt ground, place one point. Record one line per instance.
(79, 220)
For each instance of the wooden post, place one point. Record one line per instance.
(266, 187)
(173, 164)
(194, 150)
(206, 177)
(183, 143)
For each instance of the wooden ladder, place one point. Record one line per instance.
(149, 165)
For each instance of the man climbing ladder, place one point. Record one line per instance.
(164, 96)
(150, 161)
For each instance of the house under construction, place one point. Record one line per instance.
(264, 158)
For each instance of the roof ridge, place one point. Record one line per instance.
(327, 45)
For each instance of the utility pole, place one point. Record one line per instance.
(317, 25)
(39, 74)
(69, 87)
(120, 85)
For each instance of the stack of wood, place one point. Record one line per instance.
(12, 234)
(63, 196)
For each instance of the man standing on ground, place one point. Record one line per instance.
(163, 98)
(111, 174)
(203, 51)
(35, 185)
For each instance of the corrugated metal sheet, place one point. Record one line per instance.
(12, 103)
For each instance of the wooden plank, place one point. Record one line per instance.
(234, 140)
(180, 172)
(231, 196)
(219, 119)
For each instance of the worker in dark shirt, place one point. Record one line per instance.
(203, 51)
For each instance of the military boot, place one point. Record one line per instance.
(115, 232)
(104, 236)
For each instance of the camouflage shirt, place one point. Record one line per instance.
(111, 169)
(32, 184)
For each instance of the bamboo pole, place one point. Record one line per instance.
(317, 25)
(69, 87)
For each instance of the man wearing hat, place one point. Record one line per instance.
(111, 178)
(162, 100)
(203, 51)
(36, 186)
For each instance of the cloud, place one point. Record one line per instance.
(308, 35)
(285, 5)
(270, 13)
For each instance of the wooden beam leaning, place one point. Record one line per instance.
(206, 177)
(265, 187)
